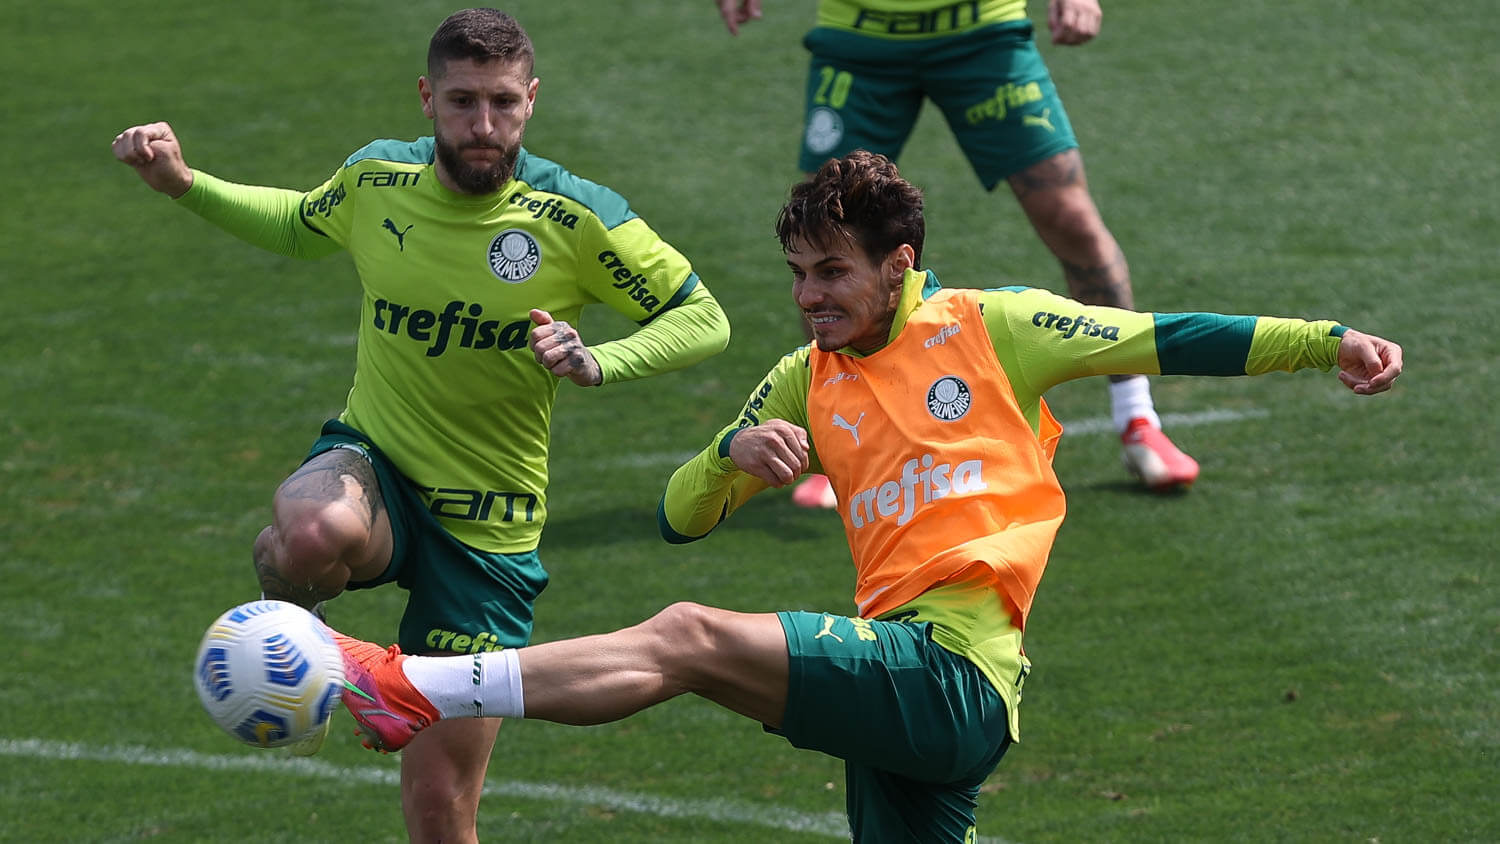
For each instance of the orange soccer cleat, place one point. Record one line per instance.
(388, 708)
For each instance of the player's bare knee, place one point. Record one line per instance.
(688, 637)
(304, 557)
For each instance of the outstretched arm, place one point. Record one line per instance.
(268, 217)
(1043, 339)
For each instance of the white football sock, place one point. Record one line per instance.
(488, 685)
(1130, 399)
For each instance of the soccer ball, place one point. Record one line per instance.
(269, 673)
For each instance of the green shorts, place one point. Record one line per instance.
(991, 85)
(462, 600)
(918, 726)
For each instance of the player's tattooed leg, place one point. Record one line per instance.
(341, 474)
(1100, 284)
(1054, 193)
(1060, 171)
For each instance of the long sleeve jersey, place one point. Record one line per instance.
(444, 383)
(939, 444)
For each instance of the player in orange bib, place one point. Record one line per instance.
(927, 415)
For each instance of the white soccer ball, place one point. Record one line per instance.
(269, 673)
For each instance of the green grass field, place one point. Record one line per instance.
(1303, 648)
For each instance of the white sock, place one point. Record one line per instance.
(486, 685)
(1131, 399)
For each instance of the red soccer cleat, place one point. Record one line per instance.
(1150, 456)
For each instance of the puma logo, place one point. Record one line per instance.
(399, 233)
(852, 428)
(827, 630)
(1043, 120)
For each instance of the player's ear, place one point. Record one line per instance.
(900, 259)
(424, 90)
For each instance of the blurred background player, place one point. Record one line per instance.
(475, 258)
(940, 450)
(874, 62)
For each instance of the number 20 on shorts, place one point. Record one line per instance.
(833, 87)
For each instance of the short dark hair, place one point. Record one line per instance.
(860, 196)
(481, 35)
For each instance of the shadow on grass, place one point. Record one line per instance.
(1124, 486)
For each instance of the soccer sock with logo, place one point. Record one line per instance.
(486, 685)
(1131, 399)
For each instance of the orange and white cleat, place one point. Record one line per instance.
(815, 492)
(388, 708)
(1150, 456)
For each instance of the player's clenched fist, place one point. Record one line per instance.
(736, 12)
(774, 451)
(1073, 21)
(558, 347)
(153, 151)
(1368, 364)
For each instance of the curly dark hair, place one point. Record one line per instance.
(861, 197)
(480, 35)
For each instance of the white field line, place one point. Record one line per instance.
(832, 825)
(729, 811)
(1104, 424)
(1078, 427)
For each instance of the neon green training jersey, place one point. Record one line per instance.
(916, 18)
(444, 381)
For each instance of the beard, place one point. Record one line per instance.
(472, 180)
